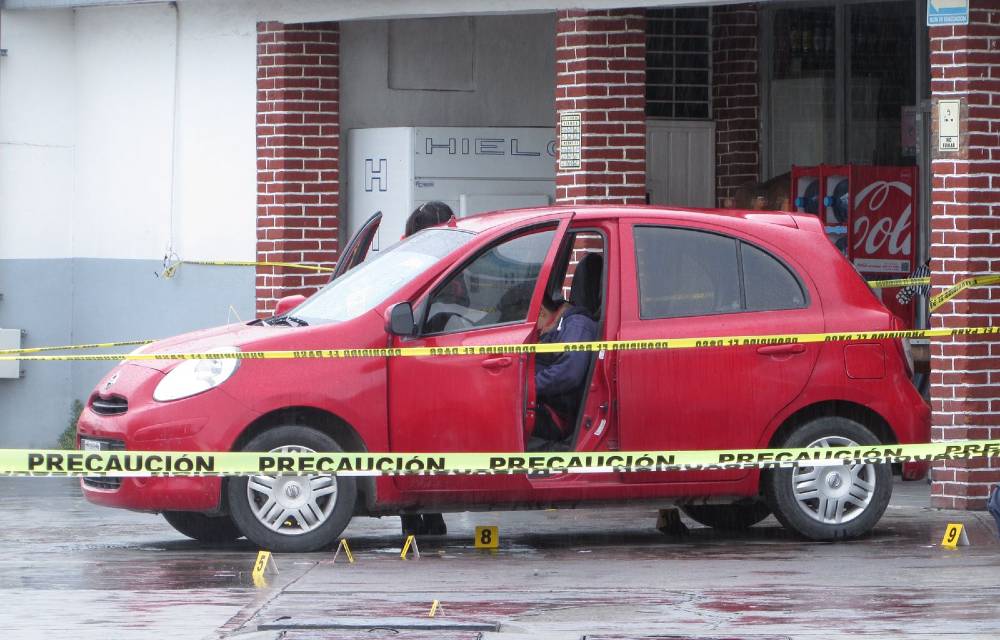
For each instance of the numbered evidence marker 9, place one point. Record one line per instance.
(949, 113)
(954, 536)
(487, 537)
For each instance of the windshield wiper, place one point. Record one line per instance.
(286, 319)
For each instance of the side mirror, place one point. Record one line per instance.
(400, 320)
(288, 303)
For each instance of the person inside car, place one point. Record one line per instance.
(560, 377)
(426, 215)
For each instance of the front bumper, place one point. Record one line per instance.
(210, 421)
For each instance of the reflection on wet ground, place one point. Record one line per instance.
(68, 566)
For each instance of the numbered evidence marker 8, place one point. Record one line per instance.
(954, 536)
(487, 537)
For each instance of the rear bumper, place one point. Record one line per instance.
(915, 470)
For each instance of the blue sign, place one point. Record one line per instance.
(944, 12)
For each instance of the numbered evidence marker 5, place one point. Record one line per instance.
(487, 537)
(954, 536)
(260, 566)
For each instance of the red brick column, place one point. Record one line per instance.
(735, 98)
(965, 228)
(298, 148)
(601, 72)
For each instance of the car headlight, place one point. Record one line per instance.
(192, 377)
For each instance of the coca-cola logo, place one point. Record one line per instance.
(872, 231)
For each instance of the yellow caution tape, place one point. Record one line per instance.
(70, 347)
(32, 462)
(979, 281)
(555, 347)
(940, 299)
(899, 282)
(251, 263)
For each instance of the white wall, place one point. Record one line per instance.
(86, 112)
(124, 88)
(37, 123)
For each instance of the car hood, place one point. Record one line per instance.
(204, 340)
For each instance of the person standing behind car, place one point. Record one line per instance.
(429, 214)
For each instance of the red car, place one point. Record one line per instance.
(639, 272)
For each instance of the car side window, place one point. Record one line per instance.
(686, 273)
(768, 283)
(495, 288)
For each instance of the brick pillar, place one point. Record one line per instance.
(735, 98)
(965, 227)
(601, 72)
(298, 148)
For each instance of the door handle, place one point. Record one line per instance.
(781, 349)
(494, 364)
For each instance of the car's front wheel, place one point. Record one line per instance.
(829, 502)
(292, 514)
(203, 527)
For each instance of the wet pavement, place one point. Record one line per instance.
(67, 567)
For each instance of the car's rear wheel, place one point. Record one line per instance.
(727, 517)
(292, 514)
(203, 527)
(829, 502)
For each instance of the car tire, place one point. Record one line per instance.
(834, 502)
(727, 517)
(292, 514)
(203, 527)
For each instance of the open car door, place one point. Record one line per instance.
(357, 249)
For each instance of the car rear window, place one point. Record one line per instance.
(684, 272)
(768, 283)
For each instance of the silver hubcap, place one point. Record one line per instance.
(292, 505)
(834, 495)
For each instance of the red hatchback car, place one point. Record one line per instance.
(639, 272)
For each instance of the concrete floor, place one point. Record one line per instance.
(67, 567)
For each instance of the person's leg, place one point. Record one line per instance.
(545, 426)
(434, 524)
(412, 523)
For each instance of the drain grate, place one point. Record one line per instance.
(287, 623)
(684, 637)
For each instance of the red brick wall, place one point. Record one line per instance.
(735, 98)
(965, 229)
(601, 72)
(298, 147)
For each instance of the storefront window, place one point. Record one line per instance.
(841, 85)
(803, 85)
(882, 83)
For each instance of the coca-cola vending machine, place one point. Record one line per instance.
(869, 213)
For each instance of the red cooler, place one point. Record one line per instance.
(869, 213)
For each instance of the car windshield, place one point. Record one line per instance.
(371, 283)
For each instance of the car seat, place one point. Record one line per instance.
(586, 288)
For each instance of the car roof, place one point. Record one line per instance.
(484, 221)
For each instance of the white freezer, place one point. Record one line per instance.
(472, 169)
